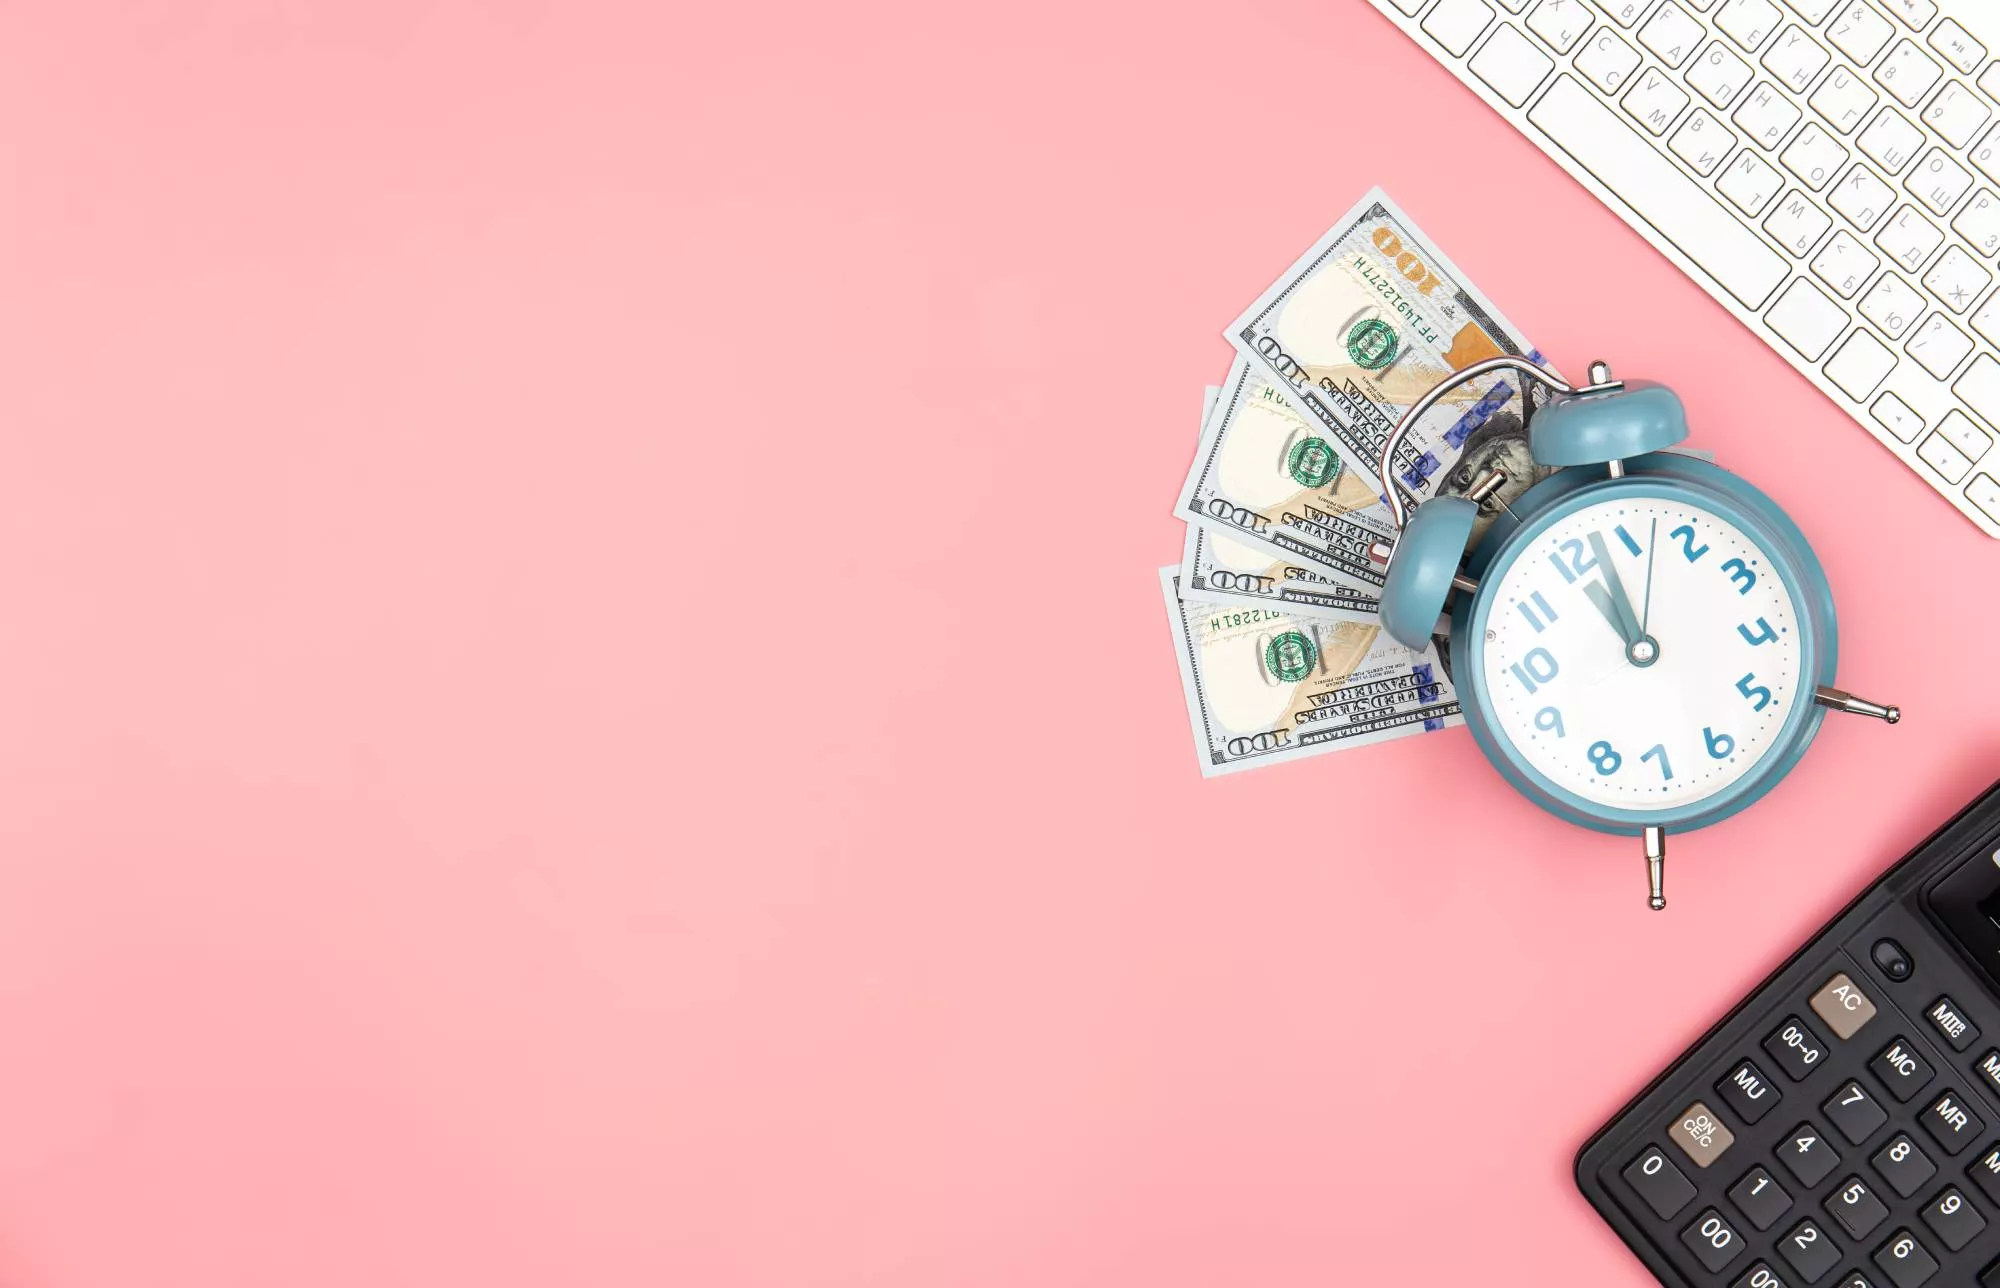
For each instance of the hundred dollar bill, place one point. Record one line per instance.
(1219, 566)
(1267, 476)
(1362, 326)
(1264, 687)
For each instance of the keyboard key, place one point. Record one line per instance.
(1938, 181)
(1748, 22)
(1854, 1112)
(1957, 46)
(1894, 415)
(1795, 59)
(1953, 1219)
(1938, 347)
(1455, 24)
(1766, 115)
(1654, 101)
(1907, 73)
(1890, 140)
(1760, 1198)
(1904, 1165)
(1950, 1120)
(1986, 319)
(1815, 156)
(1739, 261)
(1952, 1024)
(1749, 182)
(1957, 279)
(1901, 1070)
(1980, 387)
(1701, 142)
(1844, 264)
(1807, 1155)
(1860, 32)
(1989, 1069)
(1671, 34)
(1560, 22)
(1797, 223)
(1606, 61)
(1664, 1187)
(1958, 428)
(1623, 12)
(1986, 154)
(1909, 238)
(1843, 98)
(1806, 318)
(1718, 75)
(1979, 222)
(1907, 1263)
(1811, 10)
(1861, 365)
(1984, 492)
(1862, 196)
(1700, 1136)
(1985, 1173)
(1809, 1250)
(1714, 1242)
(1841, 1003)
(1746, 1090)
(1511, 64)
(1513, 6)
(1950, 463)
(1892, 304)
(1956, 114)
(1916, 14)
(1856, 1207)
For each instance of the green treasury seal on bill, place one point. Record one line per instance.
(1372, 344)
(1312, 462)
(1290, 657)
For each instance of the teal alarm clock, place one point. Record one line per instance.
(1641, 642)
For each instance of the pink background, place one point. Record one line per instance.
(583, 697)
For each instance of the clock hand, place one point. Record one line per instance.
(1624, 619)
(1652, 548)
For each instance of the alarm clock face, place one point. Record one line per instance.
(1643, 653)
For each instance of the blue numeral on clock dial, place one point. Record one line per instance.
(1720, 745)
(1604, 757)
(1739, 572)
(1666, 768)
(1539, 622)
(1549, 720)
(1536, 669)
(1757, 693)
(1580, 562)
(1762, 625)
(1685, 535)
(1626, 537)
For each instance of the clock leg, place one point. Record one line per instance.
(1655, 839)
(1840, 700)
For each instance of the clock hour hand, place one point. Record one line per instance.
(1610, 598)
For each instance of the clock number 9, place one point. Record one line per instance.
(1720, 745)
(1604, 758)
(1549, 720)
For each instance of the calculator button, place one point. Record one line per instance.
(1856, 1280)
(1713, 1240)
(1795, 1048)
(1901, 1069)
(1889, 956)
(1905, 1261)
(1951, 1024)
(1759, 1276)
(1985, 1173)
(1748, 1092)
(1655, 1179)
(1760, 1198)
(1701, 1137)
(1904, 1165)
(1856, 1113)
(1844, 1007)
(1989, 1069)
(1809, 1250)
(1807, 1156)
(1951, 1123)
(1952, 1219)
(1856, 1207)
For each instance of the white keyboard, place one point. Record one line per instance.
(1829, 170)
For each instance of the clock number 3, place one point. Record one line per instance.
(1757, 693)
(1739, 572)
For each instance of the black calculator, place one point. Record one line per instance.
(1841, 1126)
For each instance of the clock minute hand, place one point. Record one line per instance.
(1610, 597)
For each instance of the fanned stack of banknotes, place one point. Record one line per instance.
(1272, 607)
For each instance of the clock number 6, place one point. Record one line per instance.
(1720, 745)
(1757, 693)
(1602, 756)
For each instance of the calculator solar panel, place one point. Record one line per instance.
(1841, 1126)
